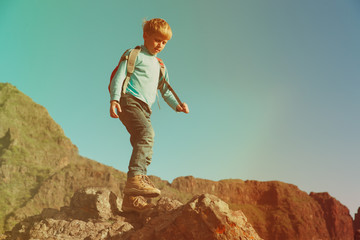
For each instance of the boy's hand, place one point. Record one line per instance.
(182, 108)
(114, 108)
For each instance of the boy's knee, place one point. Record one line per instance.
(149, 135)
(146, 136)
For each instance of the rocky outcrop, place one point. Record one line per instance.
(58, 189)
(337, 217)
(357, 225)
(203, 217)
(90, 216)
(32, 148)
(357, 234)
(95, 213)
(278, 211)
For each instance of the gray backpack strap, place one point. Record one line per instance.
(161, 85)
(130, 66)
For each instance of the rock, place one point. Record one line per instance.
(95, 203)
(32, 148)
(205, 217)
(57, 191)
(357, 234)
(337, 217)
(91, 216)
(276, 210)
(166, 204)
(357, 222)
(73, 229)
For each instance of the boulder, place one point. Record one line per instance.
(205, 217)
(95, 203)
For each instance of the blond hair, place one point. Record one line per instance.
(157, 25)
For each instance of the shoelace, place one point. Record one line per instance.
(148, 181)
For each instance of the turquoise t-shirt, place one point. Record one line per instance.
(144, 81)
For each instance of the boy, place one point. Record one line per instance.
(134, 109)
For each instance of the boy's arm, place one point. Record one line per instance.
(115, 89)
(170, 98)
(117, 82)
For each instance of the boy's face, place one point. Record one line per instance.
(154, 42)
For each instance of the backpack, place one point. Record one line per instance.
(130, 69)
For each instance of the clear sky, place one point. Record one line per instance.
(272, 86)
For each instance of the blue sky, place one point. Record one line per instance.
(272, 86)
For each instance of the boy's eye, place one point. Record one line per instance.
(160, 41)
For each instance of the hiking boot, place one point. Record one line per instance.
(141, 185)
(135, 204)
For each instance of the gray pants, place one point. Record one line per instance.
(135, 116)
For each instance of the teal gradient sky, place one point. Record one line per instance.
(272, 86)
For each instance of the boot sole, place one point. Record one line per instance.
(137, 192)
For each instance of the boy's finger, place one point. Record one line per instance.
(118, 107)
(185, 108)
(114, 115)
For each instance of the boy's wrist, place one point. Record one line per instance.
(115, 97)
